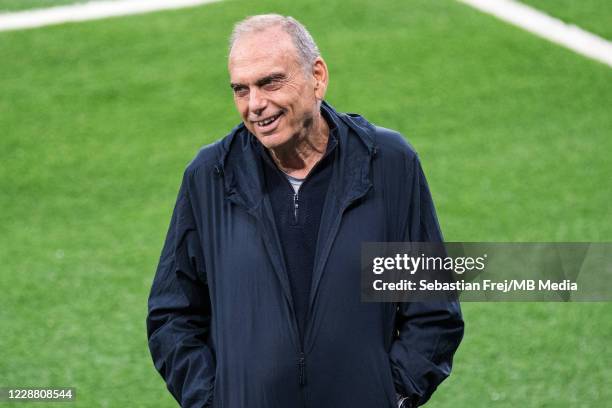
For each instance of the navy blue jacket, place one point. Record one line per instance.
(221, 325)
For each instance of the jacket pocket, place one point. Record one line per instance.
(389, 382)
(212, 400)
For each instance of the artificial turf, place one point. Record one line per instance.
(98, 120)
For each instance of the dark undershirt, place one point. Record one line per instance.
(297, 217)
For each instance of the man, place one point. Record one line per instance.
(256, 299)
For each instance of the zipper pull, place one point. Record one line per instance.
(302, 369)
(296, 205)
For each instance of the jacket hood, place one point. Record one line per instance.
(239, 163)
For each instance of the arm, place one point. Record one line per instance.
(422, 354)
(178, 322)
(428, 333)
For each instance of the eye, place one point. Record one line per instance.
(272, 85)
(241, 91)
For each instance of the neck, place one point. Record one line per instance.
(299, 156)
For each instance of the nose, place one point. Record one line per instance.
(257, 102)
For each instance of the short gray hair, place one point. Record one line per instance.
(306, 47)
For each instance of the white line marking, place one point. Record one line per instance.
(536, 22)
(88, 11)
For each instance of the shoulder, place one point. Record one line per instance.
(390, 144)
(206, 158)
(209, 157)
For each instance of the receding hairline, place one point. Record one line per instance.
(250, 34)
(303, 43)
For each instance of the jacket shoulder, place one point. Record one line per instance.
(392, 144)
(206, 157)
(209, 156)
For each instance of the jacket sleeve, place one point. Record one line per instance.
(179, 312)
(427, 333)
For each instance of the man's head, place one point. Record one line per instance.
(278, 78)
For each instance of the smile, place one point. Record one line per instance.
(269, 121)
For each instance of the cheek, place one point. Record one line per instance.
(241, 107)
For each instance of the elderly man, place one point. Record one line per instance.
(256, 299)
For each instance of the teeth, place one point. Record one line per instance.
(267, 121)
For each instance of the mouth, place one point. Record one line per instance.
(268, 124)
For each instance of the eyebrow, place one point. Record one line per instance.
(277, 76)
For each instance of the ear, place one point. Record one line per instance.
(321, 77)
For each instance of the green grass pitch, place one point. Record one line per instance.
(592, 15)
(19, 5)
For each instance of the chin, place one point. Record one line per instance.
(274, 140)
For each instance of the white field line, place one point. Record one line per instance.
(536, 22)
(88, 11)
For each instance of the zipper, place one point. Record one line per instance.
(302, 369)
(296, 205)
(301, 359)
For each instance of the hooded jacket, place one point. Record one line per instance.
(221, 324)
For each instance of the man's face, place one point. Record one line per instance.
(274, 96)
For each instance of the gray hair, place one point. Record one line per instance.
(306, 47)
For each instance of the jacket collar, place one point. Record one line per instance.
(240, 162)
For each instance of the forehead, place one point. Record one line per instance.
(255, 55)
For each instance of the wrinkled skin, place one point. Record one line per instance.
(269, 79)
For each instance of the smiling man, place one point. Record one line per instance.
(256, 299)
